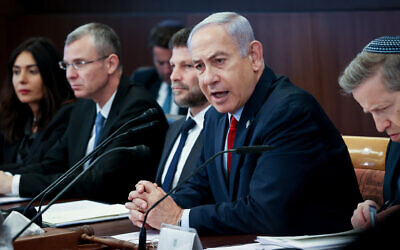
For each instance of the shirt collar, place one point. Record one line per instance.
(237, 115)
(107, 107)
(199, 117)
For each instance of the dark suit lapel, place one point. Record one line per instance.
(191, 161)
(237, 159)
(116, 107)
(249, 113)
(82, 136)
(170, 139)
(220, 145)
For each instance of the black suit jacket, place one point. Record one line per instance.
(306, 185)
(392, 172)
(42, 143)
(170, 138)
(115, 175)
(149, 77)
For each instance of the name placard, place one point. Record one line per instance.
(174, 237)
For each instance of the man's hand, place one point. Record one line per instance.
(5, 183)
(360, 218)
(145, 195)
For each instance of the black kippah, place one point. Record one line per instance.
(384, 45)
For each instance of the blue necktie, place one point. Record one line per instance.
(169, 177)
(167, 103)
(99, 123)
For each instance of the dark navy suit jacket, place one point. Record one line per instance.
(170, 138)
(392, 174)
(42, 143)
(114, 176)
(306, 185)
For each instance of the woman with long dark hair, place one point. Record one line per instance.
(35, 103)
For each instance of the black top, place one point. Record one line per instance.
(31, 148)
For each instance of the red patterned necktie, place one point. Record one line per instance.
(231, 139)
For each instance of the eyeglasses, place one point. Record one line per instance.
(79, 63)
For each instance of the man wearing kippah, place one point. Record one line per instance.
(373, 78)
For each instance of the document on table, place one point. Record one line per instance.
(250, 246)
(5, 199)
(152, 236)
(312, 241)
(85, 211)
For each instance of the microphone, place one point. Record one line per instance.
(72, 170)
(252, 149)
(140, 149)
(239, 150)
(150, 113)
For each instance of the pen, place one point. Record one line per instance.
(386, 205)
(372, 214)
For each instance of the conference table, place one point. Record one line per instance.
(121, 226)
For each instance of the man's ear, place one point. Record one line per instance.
(256, 55)
(112, 63)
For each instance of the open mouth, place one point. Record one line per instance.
(219, 94)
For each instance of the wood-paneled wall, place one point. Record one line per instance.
(311, 47)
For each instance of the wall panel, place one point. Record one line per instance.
(312, 48)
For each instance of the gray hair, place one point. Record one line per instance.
(104, 37)
(366, 65)
(237, 26)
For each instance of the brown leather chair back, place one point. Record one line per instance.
(367, 152)
(368, 158)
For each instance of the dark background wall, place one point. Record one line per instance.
(309, 41)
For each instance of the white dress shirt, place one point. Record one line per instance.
(105, 111)
(193, 134)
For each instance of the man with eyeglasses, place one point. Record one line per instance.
(108, 100)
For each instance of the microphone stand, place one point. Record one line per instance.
(239, 150)
(82, 161)
(146, 125)
(66, 188)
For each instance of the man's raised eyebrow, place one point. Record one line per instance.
(218, 53)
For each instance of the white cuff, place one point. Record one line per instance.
(15, 185)
(185, 218)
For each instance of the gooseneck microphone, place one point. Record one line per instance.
(116, 134)
(142, 149)
(239, 150)
(59, 181)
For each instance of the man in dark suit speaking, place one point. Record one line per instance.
(108, 100)
(291, 190)
(184, 137)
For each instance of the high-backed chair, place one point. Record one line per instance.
(368, 158)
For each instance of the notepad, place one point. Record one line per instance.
(85, 211)
(312, 241)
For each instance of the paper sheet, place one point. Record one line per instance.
(85, 211)
(312, 241)
(251, 246)
(151, 235)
